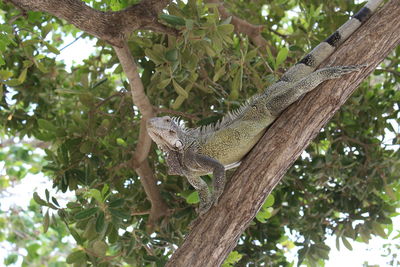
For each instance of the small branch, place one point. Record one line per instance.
(244, 27)
(139, 160)
(76, 39)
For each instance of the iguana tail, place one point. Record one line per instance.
(312, 60)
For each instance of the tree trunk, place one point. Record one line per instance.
(216, 234)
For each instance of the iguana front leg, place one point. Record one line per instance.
(279, 100)
(200, 163)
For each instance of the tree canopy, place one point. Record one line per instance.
(197, 60)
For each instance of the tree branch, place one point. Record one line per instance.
(216, 234)
(112, 26)
(244, 27)
(139, 159)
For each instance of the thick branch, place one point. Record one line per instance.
(217, 233)
(112, 27)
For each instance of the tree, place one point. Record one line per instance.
(186, 61)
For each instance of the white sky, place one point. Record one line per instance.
(21, 194)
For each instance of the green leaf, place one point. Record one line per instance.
(163, 83)
(46, 29)
(85, 213)
(233, 258)
(193, 198)
(269, 201)
(172, 55)
(76, 236)
(11, 259)
(47, 193)
(378, 229)
(55, 201)
(116, 203)
(281, 57)
(121, 142)
(180, 90)
(46, 125)
(5, 74)
(173, 20)
(120, 214)
(46, 222)
(346, 243)
(225, 28)
(52, 48)
(96, 195)
(100, 222)
(100, 248)
(29, 43)
(38, 200)
(76, 256)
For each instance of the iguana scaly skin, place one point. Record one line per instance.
(215, 148)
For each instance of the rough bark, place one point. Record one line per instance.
(216, 234)
(112, 27)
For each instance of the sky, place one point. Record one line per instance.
(22, 193)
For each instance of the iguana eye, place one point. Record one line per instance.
(167, 120)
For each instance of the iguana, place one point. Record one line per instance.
(221, 146)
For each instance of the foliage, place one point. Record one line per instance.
(346, 183)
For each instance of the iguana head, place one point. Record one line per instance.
(166, 133)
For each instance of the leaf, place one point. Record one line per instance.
(378, 229)
(55, 201)
(100, 222)
(269, 201)
(85, 148)
(163, 83)
(180, 90)
(173, 20)
(22, 75)
(233, 258)
(29, 42)
(116, 203)
(193, 198)
(104, 190)
(219, 73)
(76, 256)
(100, 247)
(46, 222)
(47, 193)
(46, 29)
(5, 74)
(46, 125)
(120, 214)
(225, 28)
(52, 48)
(96, 195)
(121, 142)
(85, 213)
(76, 236)
(38, 200)
(172, 55)
(346, 243)
(281, 57)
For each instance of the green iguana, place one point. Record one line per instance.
(216, 148)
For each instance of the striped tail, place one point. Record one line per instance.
(322, 51)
